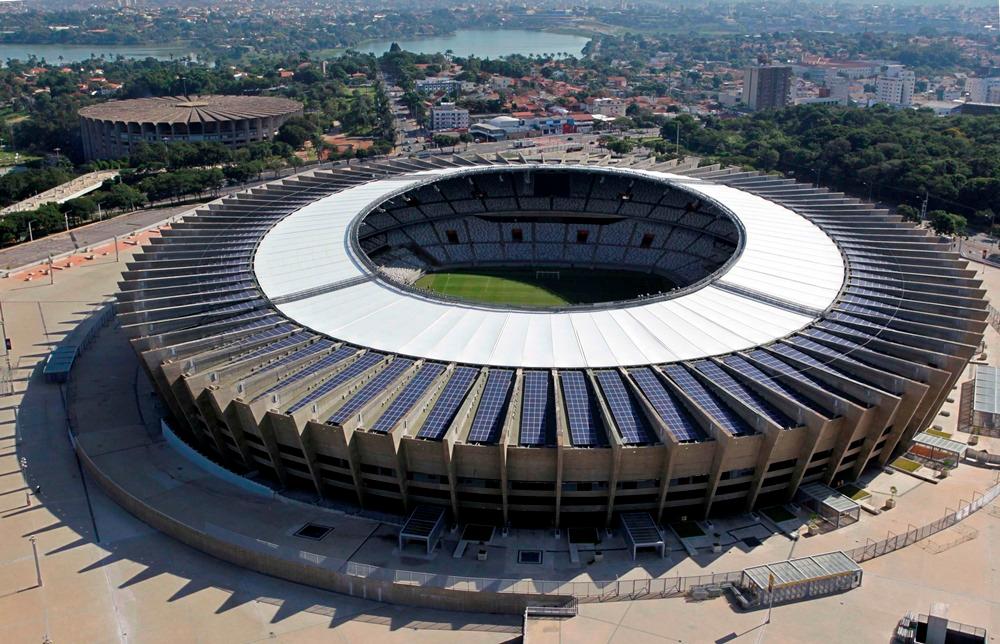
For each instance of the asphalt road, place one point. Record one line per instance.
(86, 235)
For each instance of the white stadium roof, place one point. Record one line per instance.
(788, 273)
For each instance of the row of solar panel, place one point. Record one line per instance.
(801, 359)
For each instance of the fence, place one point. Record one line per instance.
(585, 591)
(582, 591)
(893, 542)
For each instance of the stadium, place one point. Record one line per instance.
(525, 343)
(111, 129)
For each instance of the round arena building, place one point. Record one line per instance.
(110, 129)
(546, 344)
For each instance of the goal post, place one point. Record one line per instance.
(546, 275)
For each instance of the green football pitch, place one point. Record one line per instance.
(530, 288)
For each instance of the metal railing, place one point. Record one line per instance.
(586, 591)
(894, 542)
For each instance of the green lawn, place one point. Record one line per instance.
(525, 288)
(7, 158)
(906, 464)
(854, 492)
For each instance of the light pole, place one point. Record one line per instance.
(38, 567)
(6, 355)
(31, 237)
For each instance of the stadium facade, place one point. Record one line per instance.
(808, 336)
(110, 130)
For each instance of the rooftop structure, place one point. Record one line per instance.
(111, 129)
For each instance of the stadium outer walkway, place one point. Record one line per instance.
(108, 577)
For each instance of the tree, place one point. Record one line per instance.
(295, 132)
(445, 140)
(80, 209)
(121, 197)
(946, 223)
(908, 213)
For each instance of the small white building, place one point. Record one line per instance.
(447, 116)
(437, 84)
(613, 107)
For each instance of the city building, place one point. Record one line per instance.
(500, 128)
(613, 107)
(437, 84)
(983, 90)
(767, 87)
(111, 130)
(448, 117)
(894, 86)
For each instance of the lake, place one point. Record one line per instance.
(487, 43)
(76, 53)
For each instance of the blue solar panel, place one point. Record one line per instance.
(800, 374)
(720, 413)
(846, 345)
(632, 424)
(411, 393)
(304, 352)
(536, 409)
(671, 410)
(791, 352)
(746, 395)
(851, 319)
(327, 361)
(283, 343)
(581, 410)
(489, 416)
(753, 373)
(447, 404)
(353, 370)
(372, 388)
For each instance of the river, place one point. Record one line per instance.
(487, 43)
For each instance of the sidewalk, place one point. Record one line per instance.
(109, 578)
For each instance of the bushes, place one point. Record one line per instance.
(171, 185)
(947, 223)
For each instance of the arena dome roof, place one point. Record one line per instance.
(191, 109)
(787, 273)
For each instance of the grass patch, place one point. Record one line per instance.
(937, 432)
(906, 465)
(854, 492)
(687, 529)
(7, 158)
(524, 288)
(778, 514)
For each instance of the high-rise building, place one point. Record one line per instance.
(983, 90)
(767, 87)
(894, 86)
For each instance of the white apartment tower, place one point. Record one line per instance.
(894, 86)
(448, 117)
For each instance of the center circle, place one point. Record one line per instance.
(547, 238)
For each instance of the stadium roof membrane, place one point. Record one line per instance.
(786, 275)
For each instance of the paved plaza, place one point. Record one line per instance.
(107, 577)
